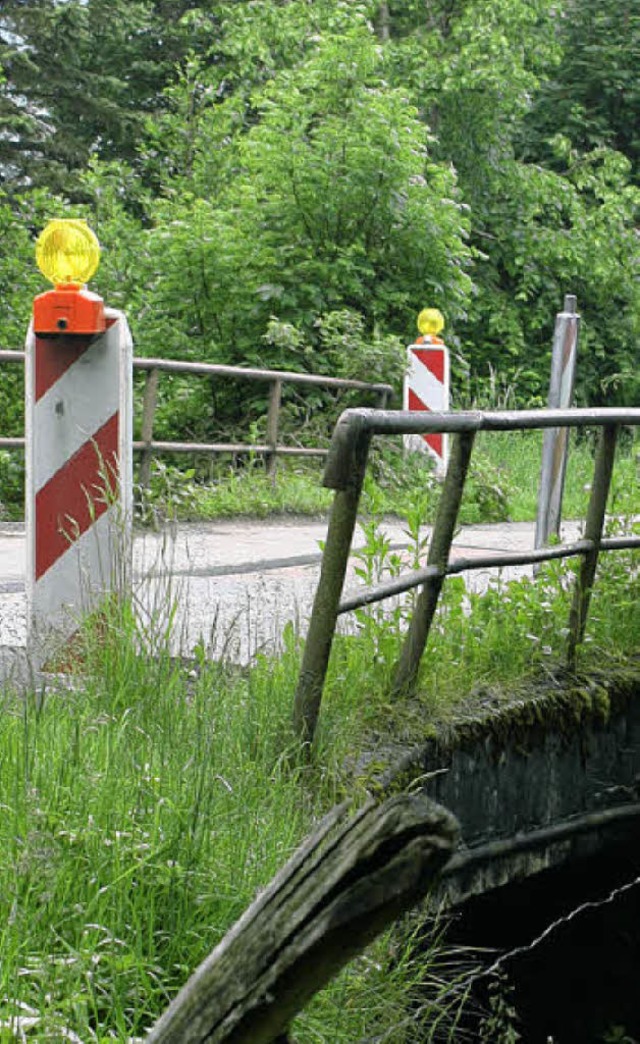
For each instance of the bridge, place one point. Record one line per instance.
(533, 782)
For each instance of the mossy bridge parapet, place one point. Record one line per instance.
(534, 780)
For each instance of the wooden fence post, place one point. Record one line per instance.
(441, 538)
(593, 532)
(350, 880)
(383, 398)
(148, 413)
(351, 460)
(273, 419)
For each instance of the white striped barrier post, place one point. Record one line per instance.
(556, 440)
(79, 466)
(426, 386)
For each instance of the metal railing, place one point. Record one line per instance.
(345, 471)
(271, 449)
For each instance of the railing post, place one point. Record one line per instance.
(383, 398)
(324, 614)
(273, 418)
(593, 532)
(442, 536)
(148, 413)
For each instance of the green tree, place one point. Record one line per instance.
(546, 218)
(79, 77)
(594, 96)
(335, 203)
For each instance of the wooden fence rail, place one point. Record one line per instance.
(351, 879)
(344, 472)
(275, 379)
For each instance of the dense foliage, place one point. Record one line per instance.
(288, 182)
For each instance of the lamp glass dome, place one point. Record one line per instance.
(67, 252)
(430, 321)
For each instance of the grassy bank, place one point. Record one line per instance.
(142, 811)
(143, 808)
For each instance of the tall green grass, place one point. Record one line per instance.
(141, 812)
(143, 807)
(504, 632)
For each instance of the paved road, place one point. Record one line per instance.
(234, 585)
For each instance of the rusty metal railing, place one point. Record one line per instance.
(344, 472)
(271, 450)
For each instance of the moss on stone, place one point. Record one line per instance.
(521, 716)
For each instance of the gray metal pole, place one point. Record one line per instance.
(556, 440)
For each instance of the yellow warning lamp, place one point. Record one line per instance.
(430, 322)
(68, 254)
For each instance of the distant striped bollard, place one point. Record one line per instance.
(426, 386)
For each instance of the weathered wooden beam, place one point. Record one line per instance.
(345, 473)
(352, 878)
(273, 421)
(594, 525)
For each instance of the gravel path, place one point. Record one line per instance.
(234, 585)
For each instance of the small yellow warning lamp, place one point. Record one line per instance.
(430, 325)
(68, 254)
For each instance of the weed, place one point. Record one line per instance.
(499, 1024)
(170, 494)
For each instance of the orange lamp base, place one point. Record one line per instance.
(69, 309)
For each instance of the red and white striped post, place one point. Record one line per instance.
(426, 386)
(79, 467)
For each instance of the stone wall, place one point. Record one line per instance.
(535, 780)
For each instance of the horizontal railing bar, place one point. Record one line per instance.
(241, 372)
(620, 543)
(408, 581)
(405, 422)
(204, 447)
(229, 447)
(355, 424)
(253, 374)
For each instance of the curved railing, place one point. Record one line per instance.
(344, 472)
